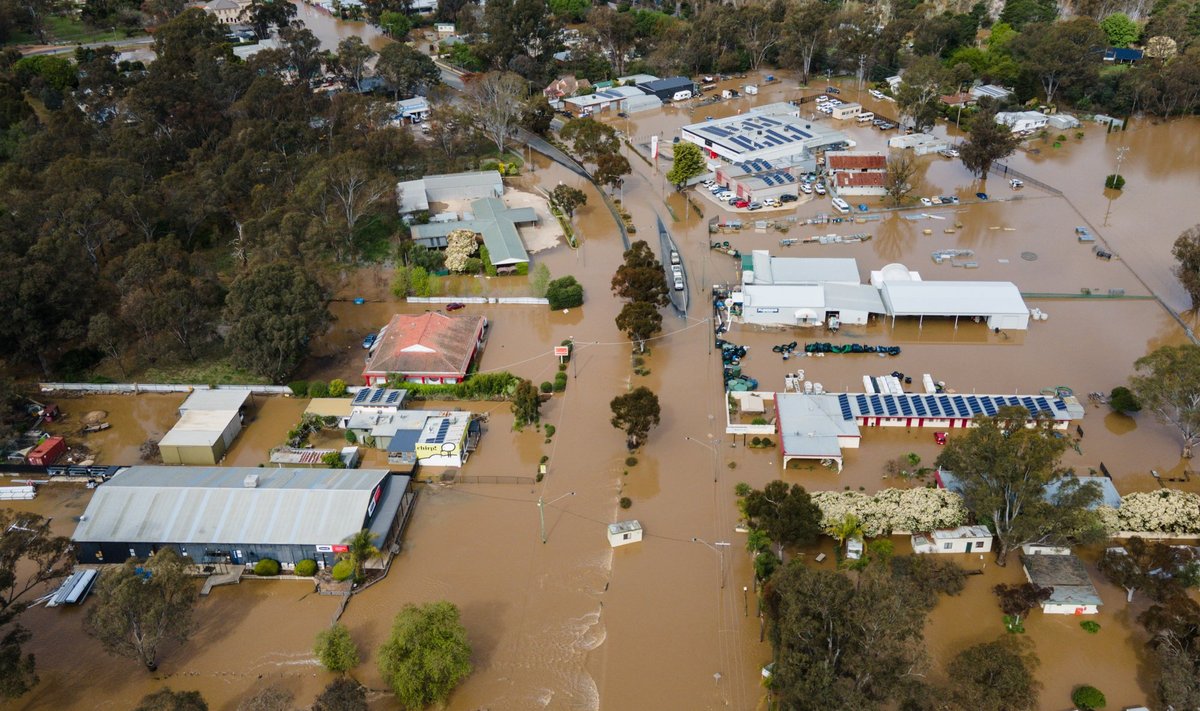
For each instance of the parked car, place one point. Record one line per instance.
(756, 205)
(1016, 183)
(741, 204)
(709, 183)
(806, 188)
(822, 99)
(876, 93)
(370, 340)
(788, 198)
(950, 153)
(939, 437)
(622, 114)
(832, 90)
(770, 202)
(926, 202)
(949, 199)
(820, 188)
(727, 196)
(455, 306)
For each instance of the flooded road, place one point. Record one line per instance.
(573, 624)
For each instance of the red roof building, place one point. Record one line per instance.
(857, 172)
(430, 348)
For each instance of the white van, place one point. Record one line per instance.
(751, 89)
(866, 117)
(841, 205)
(682, 95)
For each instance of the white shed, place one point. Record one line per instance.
(1022, 121)
(999, 302)
(622, 533)
(847, 111)
(964, 539)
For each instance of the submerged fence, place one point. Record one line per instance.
(133, 388)
(520, 300)
(1006, 172)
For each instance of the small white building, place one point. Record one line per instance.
(998, 302)
(964, 539)
(920, 143)
(444, 29)
(894, 83)
(1073, 592)
(1022, 121)
(847, 111)
(992, 91)
(622, 533)
(1063, 122)
(414, 110)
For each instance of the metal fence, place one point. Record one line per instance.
(519, 300)
(1006, 172)
(488, 479)
(126, 388)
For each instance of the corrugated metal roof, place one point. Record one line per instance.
(810, 425)
(202, 427)
(212, 505)
(215, 400)
(952, 298)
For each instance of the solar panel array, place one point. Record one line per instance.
(943, 406)
(440, 435)
(377, 397)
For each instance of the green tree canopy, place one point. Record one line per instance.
(335, 649)
(342, 694)
(641, 276)
(1119, 29)
(526, 405)
(640, 321)
(360, 549)
(564, 293)
(1186, 251)
(994, 676)
(1005, 467)
(568, 198)
(987, 142)
(1168, 383)
(687, 164)
(273, 311)
(140, 605)
(786, 513)
(1174, 629)
(426, 655)
(636, 413)
(1159, 569)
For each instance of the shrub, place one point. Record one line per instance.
(742, 489)
(351, 437)
(318, 388)
(337, 387)
(545, 458)
(767, 442)
(1087, 698)
(550, 430)
(631, 461)
(1122, 399)
(756, 442)
(1114, 181)
(299, 388)
(626, 502)
(266, 566)
(1090, 626)
(560, 382)
(546, 386)
(759, 421)
(564, 293)
(562, 366)
(332, 459)
(342, 570)
(336, 650)
(306, 568)
(523, 269)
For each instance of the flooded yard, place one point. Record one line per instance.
(574, 624)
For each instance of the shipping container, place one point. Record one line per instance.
(48, 451)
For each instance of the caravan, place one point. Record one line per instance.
(683, 95)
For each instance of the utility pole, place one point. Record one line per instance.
(716, 548)
(1121, 151)
(542, 511)
(710, 447)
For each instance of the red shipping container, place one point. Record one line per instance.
(48, 451)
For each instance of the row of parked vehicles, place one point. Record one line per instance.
(726, 195)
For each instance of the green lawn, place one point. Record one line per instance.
(211, 372)
(71, 30)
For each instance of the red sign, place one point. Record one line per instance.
(341, 549)
(562, 351)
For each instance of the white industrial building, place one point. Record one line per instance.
(589, 104)
(1022, 121)
(812, 427)
(997, 302)
(846, 111)
(920, 143)
(800, 291)
(774, 133)
(209, 421)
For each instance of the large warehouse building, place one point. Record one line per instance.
(240, 515)
(773, 133)
(999, 302)
(209, 421)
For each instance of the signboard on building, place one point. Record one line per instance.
(324, 549)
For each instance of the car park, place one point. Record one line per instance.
(788, 198)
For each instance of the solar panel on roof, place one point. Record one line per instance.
(890, 401)
(905, 407)
(376, 396)
(1044, 404)
(944, 403)
(876, 406)
(919, 405)
(989, 406)
(960, 406)
(393, 396)
(862, 402)
(790, 178)
(768, 165)
(360, 396)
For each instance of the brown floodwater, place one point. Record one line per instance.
(573, 624)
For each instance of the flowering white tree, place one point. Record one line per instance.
(460, 246)
(914, 510)
(1162, 511)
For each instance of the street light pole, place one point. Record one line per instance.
(711, 448)
(716, 548)
(542, 511)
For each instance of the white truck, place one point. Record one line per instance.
(751, 89)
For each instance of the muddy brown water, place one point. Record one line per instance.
(573, 624)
